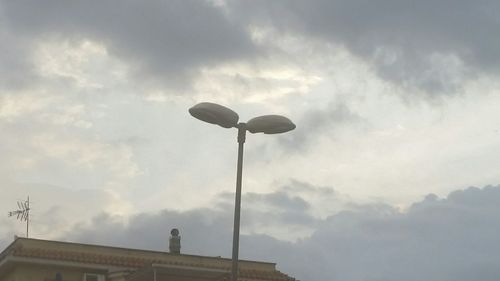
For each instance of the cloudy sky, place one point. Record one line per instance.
(391, 174)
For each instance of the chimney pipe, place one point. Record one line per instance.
(175, 242)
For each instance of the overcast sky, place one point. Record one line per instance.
(391, 174)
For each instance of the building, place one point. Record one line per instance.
(43, 260)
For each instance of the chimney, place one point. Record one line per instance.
(175, 242)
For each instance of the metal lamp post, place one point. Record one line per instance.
(227, 118)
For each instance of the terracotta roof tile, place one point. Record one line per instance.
(135, 262)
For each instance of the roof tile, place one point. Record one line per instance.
(135, 262)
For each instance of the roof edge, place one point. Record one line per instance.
(6, 251)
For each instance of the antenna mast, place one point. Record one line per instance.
(23, 213)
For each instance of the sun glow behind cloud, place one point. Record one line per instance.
(356, 155)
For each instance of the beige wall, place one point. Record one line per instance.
(25, 268)
(30, 272)
(9, 277)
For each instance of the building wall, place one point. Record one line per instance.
(11, 276)
(30, 272)
(40, 260)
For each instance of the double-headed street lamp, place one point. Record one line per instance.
(227, 118)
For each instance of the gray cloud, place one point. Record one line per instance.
(201, 229)
(418, 44)
(16, 66)
(163, 41)
(437, 239)
(454, 238)
(431, 45)
(315, 123)
(205, 228)
(279, 199)
(287, 206)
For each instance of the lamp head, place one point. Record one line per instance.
(270, 124)
(215, 114)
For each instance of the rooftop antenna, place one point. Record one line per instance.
(23, 213)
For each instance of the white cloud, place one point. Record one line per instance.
(54, 209)
(163, 43)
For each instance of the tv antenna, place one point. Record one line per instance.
(23, 213)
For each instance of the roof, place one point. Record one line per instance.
(132, 258)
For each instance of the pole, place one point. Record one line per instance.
(237, 202)
(27, 217)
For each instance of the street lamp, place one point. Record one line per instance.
(227, 118)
